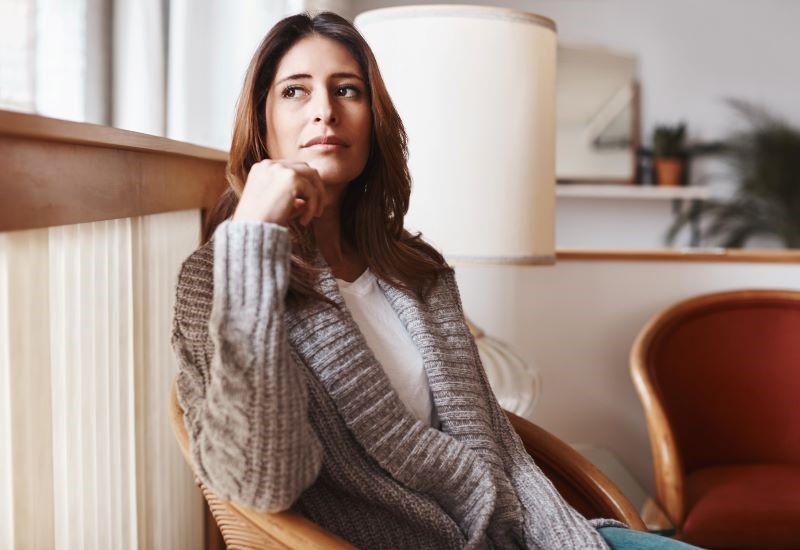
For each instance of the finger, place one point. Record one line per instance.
(302, 168)
(317, 189)
(308, 192)
(300, 207)
(321, 193)
(305, 171)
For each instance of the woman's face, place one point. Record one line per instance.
(319, 92)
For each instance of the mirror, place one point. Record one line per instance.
(597, 118)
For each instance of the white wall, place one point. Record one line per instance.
(614, 223)
(576, 322)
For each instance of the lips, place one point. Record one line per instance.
(325, 140)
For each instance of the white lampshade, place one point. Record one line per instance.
(475, 88)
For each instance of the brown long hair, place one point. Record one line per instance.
(374, 204)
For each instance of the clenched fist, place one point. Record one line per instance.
(278, 191)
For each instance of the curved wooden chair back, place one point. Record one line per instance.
(713, 373)
(578, 480)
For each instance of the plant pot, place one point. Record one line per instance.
(669, 171)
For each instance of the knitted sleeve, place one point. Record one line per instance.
(242, 392)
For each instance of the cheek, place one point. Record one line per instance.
(281, 134)
(366, 129)
(272, 145)
(273, 133)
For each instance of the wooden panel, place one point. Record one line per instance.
(57, 173)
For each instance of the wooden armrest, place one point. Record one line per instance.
(579, 481)
(250, 527)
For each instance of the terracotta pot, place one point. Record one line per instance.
(669, 171)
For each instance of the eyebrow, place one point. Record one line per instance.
(334, 75)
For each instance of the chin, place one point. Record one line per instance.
(333, 175)
(335, 180)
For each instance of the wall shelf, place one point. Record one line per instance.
(691, 198)
(646, 192)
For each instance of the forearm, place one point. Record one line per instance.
(249, 435)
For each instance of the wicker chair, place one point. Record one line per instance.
(578, 480)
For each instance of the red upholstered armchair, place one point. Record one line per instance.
(719, 378)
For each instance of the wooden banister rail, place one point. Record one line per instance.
(55, 172)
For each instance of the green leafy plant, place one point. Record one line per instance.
(765, 161)
(668, 141)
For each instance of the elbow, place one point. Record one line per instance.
(271, 487)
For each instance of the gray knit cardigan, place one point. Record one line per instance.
(287, 407)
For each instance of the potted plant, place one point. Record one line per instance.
(670, 153)
(764, 160)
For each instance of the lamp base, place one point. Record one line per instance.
(516, 384)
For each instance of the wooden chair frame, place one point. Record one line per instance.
(579, 481)
(667, 465)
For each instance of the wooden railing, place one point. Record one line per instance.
(56, 172)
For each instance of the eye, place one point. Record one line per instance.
(349, 87)
(290, 92)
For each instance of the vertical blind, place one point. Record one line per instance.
(87, 457)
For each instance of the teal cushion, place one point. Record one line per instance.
(628, 539)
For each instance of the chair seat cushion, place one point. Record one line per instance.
(744, 506)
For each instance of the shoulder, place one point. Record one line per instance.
(444, 290)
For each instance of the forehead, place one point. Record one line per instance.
(317, 56)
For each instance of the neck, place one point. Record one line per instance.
(339, 255)
(328, 235)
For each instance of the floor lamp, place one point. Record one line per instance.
(475, 88)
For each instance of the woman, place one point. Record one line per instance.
(325, 365)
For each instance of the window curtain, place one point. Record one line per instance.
(163, 67)
(87, 457)
(179, 64)
(54, 58)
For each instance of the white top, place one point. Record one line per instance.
(393, 347)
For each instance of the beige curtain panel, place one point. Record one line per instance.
(87, 458)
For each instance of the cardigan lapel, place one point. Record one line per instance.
(438, 330)
(425, 459)
(451, 361)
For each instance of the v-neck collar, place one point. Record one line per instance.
(359, 286)
(443, 463)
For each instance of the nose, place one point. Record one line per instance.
(324, 109)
